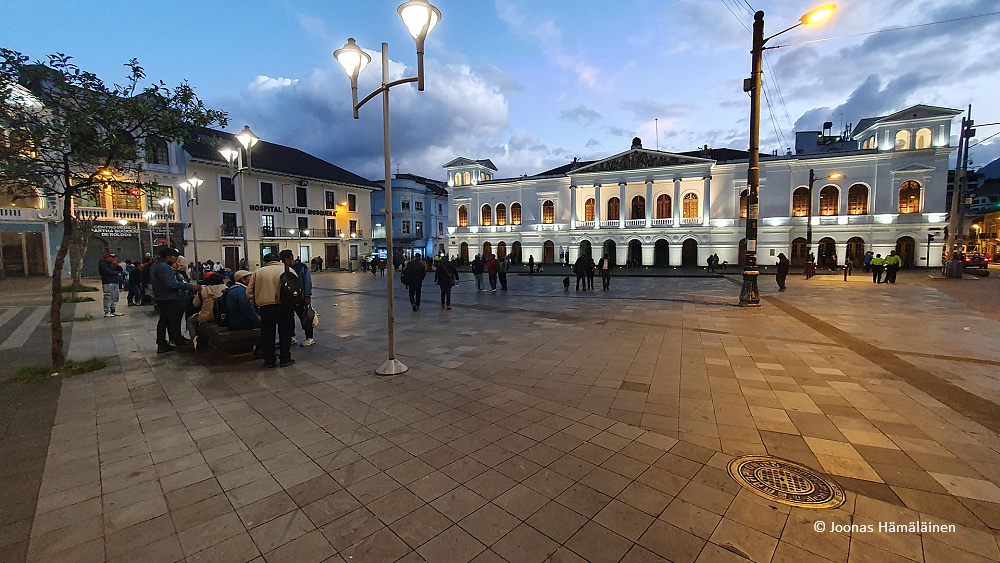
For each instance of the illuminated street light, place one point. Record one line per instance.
(420, 17)
(247, 140)
(749, 294)
(165, 203)
(190, 188)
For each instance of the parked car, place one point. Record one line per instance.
(976, 261)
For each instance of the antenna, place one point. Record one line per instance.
(656, 124)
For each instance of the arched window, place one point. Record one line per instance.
(923, 139)
(857, 200)
(501, 214)
(871, 143)
(638, 207)
(613, 208)
(548, 212)
(515, 214)
(664, 209)
(829, 201)
(903, 140)
(588, 210)
(800, 202)
(466, 179)
(743, 203)
(690, 206)
(463, 216)
(486, 214)
(458, 179)
(909, 197)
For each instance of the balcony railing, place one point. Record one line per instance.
(231, 231)
(611, 223)
(664, 222)
(635, 223)
(286, 233)
(585, 224)
(690, 220)
(115, 214)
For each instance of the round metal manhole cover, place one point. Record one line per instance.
(786, 482)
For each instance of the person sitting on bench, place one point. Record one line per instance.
(241, 312)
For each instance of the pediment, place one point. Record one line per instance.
(640, 159)
(913, 168)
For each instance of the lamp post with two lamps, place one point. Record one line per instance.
(420, 17)
(190, 188)
(749, 294)
(165, 203)
(150, 222)
(247, 140)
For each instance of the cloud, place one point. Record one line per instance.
(504, 81)
(870, 99)
(593, 143)
(581, 115)
(648, 110)
(619, 132)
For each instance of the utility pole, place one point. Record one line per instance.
(956, 236)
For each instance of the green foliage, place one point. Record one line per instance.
(37, 373)
(78, 288)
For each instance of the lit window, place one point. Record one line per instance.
(744, 195)
(515, 214)
(588, 210)
(613, 208)
(902, 140)
(463, 216)
(857, 200)
(664, 207)
(800, 202)
(548, 212)
(501, 214)
(923, 139)
(828, 201)
(486, 215)
(909, 197)
(691, 206)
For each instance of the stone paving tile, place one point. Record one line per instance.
(500, 454)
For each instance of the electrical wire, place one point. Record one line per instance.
(735, 15)
(894, 29)
(984, 140)
(781, 97)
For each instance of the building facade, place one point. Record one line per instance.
(881, 189)
(419, 216)
(286, 199)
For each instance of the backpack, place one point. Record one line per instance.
(221, 309)
(290, 290)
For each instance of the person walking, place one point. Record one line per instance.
(782, 274)
(491, 270)
(580, 269)
(135, 285)
(171, 298)
(446, 276)
(502, 266)
(878, 266)
(264, 291)
(413, 277)
(868, 261)
(531, 264)
(605, 267)
(303, 310)
(477, 270)
(711, 264)
(590, 269)
(111, 280)
(892, 264)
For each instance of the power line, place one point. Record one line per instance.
(777, 87)
(752, 11)
(735, 15)
(986, 139)
(895, 29)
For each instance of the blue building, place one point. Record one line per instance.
(419, 216)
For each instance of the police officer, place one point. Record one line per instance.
(878, 266)
(892, 264)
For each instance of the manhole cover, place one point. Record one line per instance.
(786, 482)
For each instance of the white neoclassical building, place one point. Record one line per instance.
(880, 188)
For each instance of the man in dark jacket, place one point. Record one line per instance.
(782, 273)
(241, 313)
(580, 269)
(305, 279)
(413, 276)
(111, 280)
(478, 266)
(171, 298)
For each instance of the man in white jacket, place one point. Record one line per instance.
(263, 291)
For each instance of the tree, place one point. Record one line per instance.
(71, 136)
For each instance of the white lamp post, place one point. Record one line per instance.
(247, 140)
(420, 17)
(191, 195)
(166, 202)
(148, 216)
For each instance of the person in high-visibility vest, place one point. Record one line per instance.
(892, 264)
(878, 266)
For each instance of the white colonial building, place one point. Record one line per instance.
(880, 188)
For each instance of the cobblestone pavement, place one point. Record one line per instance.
(538, 424)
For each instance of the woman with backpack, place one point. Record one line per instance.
(446, 276)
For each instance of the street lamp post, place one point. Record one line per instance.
(148, 216)
(191, 195)
(420, 17)
(166, 202)
(749, 294)
(809, 209)
(247, 140)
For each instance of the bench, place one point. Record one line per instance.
(229, 342)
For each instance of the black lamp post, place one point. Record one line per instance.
(749, 294)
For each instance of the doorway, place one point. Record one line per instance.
(333, 256)
(463, 252)
(634, 253)
(661, 253)
(487, 250)
(799, 252)
(515, 252)
(826, 252)
(548, 252)
(586, 249)
(231, 257)
(856, 250)
(611, 250)
(689, 253)
(501, 249)
(906, 249)
(304, 253)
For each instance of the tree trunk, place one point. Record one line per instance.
(55, 316)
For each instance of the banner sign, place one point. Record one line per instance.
(293, 210)
(116, 230)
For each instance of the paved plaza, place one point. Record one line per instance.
(533, 425)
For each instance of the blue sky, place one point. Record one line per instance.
(532, 84)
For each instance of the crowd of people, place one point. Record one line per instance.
(268, 298)
(585, 269)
